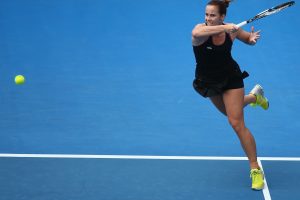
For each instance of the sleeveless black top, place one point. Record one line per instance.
(214, 62)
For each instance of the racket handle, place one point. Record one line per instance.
(241, 24)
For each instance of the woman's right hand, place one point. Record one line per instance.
(231, 28)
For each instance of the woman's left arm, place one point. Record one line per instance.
(248, 37)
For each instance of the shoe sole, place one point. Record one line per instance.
(257, 189)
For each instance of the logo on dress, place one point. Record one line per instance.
(210, 48)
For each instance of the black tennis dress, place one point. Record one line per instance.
(216, 70)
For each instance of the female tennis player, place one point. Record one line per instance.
(219, 77)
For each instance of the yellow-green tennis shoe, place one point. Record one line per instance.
(261, 100)
(257, 177)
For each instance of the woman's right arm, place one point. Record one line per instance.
(201, 32)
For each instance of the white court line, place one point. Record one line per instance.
(122, 157)
(146, 157)
(279, 158)
(266, 191)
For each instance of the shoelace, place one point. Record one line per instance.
(254, 174)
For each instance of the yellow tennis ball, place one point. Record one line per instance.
(19, 79)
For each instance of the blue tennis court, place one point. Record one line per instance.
(108, 110)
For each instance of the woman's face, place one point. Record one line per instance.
(212, 16)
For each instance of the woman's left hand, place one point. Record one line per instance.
(254, 36)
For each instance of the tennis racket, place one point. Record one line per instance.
(267, 12)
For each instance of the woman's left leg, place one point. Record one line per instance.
(234, 103)
(250, 98)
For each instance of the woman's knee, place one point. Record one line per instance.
(236, 123)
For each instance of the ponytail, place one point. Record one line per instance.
(227, 2)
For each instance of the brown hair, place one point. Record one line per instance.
(221, 4)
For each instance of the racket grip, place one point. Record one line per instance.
(241, 24)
